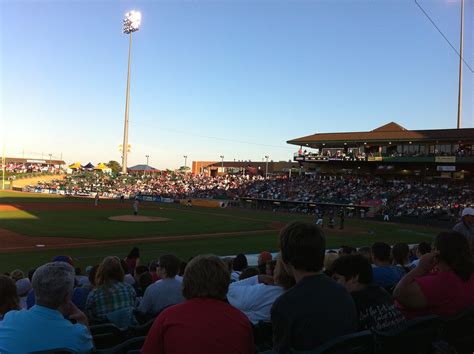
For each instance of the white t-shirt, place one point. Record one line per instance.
(253, 298)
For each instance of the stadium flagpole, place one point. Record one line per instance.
(461, 44)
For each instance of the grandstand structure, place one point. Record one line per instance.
(390, 150)
(262, 168)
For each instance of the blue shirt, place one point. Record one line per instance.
(41, 328)
(387, 276)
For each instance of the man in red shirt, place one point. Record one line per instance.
(205, 323)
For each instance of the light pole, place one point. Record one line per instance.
(266, 167)
(131, 23)
(222, 163)
(460, 66)
(50, 162)
(185, 161)
(147, 157)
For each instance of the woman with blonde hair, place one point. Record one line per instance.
(112, 297)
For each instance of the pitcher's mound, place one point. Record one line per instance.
(137, 218)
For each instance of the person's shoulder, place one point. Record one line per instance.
(12, 316)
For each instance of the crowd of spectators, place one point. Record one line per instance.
(396, 197)
(307, 295)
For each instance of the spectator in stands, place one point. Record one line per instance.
(46, 325)
(263, 258)
(270, 267)
(375, 306)
(17, 274)
(443, 282)
(128, 278)
(80, 295)
(205, 322)
(249, 272)
(8, 297)
(166, 291)
(329, 259)
(133, 259)
(81, 280)
(145, 281)
(400, 255)
(423, 248)
(316, 309)
(466, 227)
(112, 297)
(255, 296)
(139, 270)
(346, 250)
(366, 252)
(153, 266)
(23, 287)
(385, 274)
(238, 265)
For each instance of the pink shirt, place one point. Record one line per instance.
(446, 294)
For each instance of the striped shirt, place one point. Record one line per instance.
(102, 300)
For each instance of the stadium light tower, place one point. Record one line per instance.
(131, 23)
(222, 163)
(266, 167)
(461, 45)
(185, 161)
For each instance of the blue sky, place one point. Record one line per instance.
(227, 77)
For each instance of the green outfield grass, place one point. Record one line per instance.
(93, 223)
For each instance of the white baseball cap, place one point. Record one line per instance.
(468, 211)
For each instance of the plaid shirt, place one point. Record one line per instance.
(105, 300)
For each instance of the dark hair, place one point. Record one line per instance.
(454, 250)
(303, 246)
(347, 250)
(353, 265)
(381, 251)
(424, 247)
(77, 270)
(170, 264)
(366, 252)
(145, 280)
(8, 297)
(134, 253)
(139, 270)
(153, 265)
(240, 262)
(124, 266)
(206, 277)
(31, 272)
(92, 274)
(248, 272)
(400, 252)
(182, 267)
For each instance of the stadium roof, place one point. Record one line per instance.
(391, 132)
(142, 168)
(33, 161)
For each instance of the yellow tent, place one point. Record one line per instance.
(101, 166)
(75, 165)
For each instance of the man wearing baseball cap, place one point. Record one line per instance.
(466, 226)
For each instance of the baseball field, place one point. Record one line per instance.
(36, 227)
